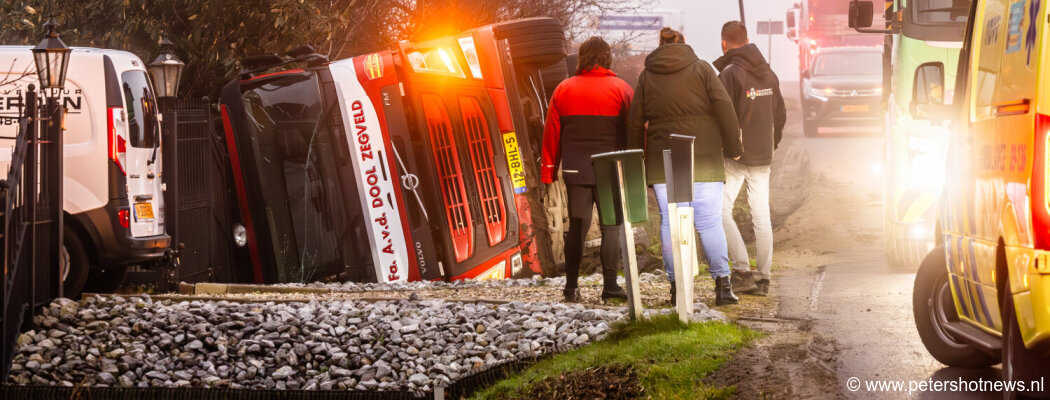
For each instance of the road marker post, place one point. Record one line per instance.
(623, 200)
(678, 175)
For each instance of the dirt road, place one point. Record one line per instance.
(842, 311)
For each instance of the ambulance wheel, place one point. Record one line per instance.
(809, 127)
(75, 264)
(1019, 363)
(933, 308)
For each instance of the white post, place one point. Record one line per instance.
(630, 264)
(682, 238)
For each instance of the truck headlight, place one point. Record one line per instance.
(240, 235)
(515, 264)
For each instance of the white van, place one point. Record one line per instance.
(113, 192)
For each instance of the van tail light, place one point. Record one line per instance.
(1040, 183)
(118, 145)
(124, 217)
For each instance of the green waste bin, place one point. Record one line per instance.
(608, 184)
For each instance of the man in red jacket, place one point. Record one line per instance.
(587, 116)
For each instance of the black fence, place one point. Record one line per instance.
(31, 197)
(199, 214)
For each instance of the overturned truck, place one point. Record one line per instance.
(410, 164)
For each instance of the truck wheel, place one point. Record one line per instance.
(75, 264)
(552, 75)
(809, 127)
(1019, 363)
(527, 27)
(533, 42)
(934, 308)
(571, 61)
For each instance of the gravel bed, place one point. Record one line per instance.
(559, 281)
(331, 344)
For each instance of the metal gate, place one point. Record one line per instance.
(200, 217)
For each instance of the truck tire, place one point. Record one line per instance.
(1019, 363)
(552, 75)
(548, 35)
(933, 308)
(527, 27)
(571, 61)
(534, 42)
(76, 264)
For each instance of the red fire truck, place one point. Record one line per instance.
(406, 164)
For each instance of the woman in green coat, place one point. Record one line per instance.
(678, 93)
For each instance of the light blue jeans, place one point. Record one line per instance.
(707, 216)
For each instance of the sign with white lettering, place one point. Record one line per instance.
(364, 136)
(630, 22)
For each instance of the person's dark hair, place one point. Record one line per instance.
(734, 33)
(594, 52)
(669, 36)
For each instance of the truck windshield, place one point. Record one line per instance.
(940, 12)
(853, 63)
(141, 108)
(314, 220)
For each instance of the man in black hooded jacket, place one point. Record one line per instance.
(755, 91)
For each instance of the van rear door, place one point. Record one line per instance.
(140, 145)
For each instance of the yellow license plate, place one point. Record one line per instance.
(143, 211)
(517, 169)
(856, 108)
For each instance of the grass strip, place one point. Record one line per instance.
(669, 357)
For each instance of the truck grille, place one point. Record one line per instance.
(490, 191)
(446, 160)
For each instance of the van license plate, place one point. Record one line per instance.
(143, 211)
(856, 108)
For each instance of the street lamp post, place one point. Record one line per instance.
(165, 72)
(51, 57)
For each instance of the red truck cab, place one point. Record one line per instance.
(405, 164)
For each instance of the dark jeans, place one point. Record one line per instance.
(581, 203)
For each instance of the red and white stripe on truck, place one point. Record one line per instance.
(358, 82)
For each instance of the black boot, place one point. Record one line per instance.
(724, 292)
(673, 298)
(572, 295)
(613, 291)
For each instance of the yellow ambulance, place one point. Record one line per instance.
(983, 296)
